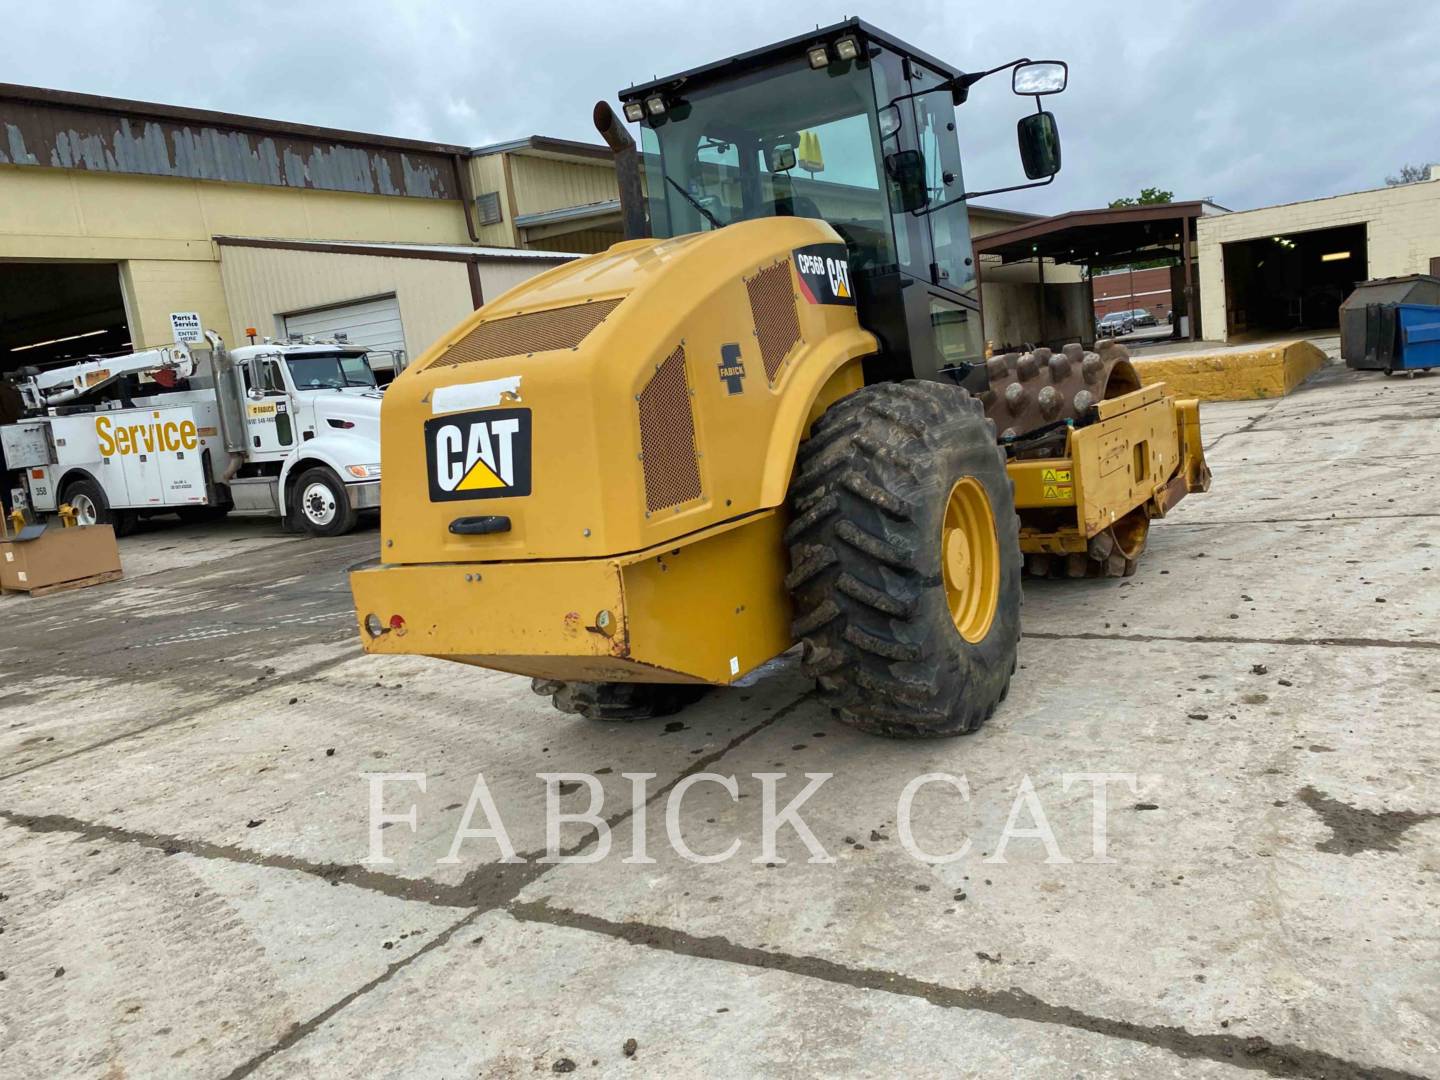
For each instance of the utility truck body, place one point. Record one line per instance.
(281, 429)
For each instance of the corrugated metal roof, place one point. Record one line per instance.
(50, 128)
(605, 208)
(545, 146)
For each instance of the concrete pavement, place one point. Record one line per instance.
(184, 822)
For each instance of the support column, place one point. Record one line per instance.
(1190, 305)
(1040, 263)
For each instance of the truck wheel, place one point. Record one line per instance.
(321, 505)
(618, 701)
(905, 561)
(87, 498)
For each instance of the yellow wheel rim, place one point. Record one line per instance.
(970, 559)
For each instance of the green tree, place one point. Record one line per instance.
(1409, 174)
(1148, 197)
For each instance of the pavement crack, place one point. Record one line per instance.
(484, 888)
(232, 693)
(1225, 639)
(1295, 520)
(1252, 1052)
(503, 889)
(1245, 428)
(299, 1031)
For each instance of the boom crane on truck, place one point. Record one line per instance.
(771, 422)
(287, 429)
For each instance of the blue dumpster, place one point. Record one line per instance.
(1419, 337)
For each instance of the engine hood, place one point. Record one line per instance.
(618, 401)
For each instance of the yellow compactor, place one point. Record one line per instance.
(647, 472)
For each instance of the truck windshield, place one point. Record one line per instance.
(788, 142)
(330, 371)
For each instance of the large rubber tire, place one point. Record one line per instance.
(321, 506)
(92, 507)
(618, 701)
(869, 501)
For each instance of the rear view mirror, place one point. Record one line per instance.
(1040, 77)
(782, 159)
(1039, 145)
(906, 169)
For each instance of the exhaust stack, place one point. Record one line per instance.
(627, 170)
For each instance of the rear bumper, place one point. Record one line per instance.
(706, 608)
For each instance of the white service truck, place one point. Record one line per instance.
(278, 428)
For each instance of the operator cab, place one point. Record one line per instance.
(857, 128)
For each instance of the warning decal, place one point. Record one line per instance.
(1055, 484)
(479, 455)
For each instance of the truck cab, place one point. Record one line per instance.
(311, 419)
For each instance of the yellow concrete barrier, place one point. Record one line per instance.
(1266, 371)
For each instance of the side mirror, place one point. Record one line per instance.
(1040, 77)
(906, 170)
(1039, 145)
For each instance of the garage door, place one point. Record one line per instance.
(374, 323)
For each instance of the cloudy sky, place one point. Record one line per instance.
(1250, 102)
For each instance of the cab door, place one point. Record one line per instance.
(953, 297)
(269, 410)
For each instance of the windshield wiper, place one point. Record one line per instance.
(694, 202)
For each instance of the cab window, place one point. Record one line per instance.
(949, 225)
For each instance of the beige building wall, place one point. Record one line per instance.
(487, 174)
(499, 276)
(529, 183)
(542, 184)
(159, 229)
(434, 295)
(262, 284)
(1402, 236)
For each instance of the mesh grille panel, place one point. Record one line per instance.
(772, 306)
(540, 331)
(667, 437)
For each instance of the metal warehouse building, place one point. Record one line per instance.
(1283, 269)
(115, 214)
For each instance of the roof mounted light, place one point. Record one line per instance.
(634, 111)
(819, 56)
(847, 47)
(655, 106)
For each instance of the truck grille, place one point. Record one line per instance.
(667, 437)
(517, 335)
(772, 306)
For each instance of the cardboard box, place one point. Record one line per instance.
(59, 559)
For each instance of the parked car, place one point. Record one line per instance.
(1141, 317)
(1116, 324)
